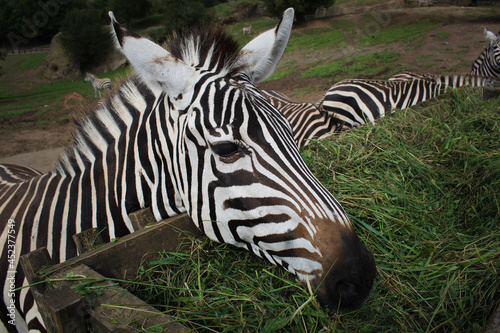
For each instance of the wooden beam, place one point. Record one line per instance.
(57, 306)
(122, 258)
(111, 309)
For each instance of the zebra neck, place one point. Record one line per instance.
(116, 152)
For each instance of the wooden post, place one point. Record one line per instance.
(87, 240)
(56, 306)
(142, 218)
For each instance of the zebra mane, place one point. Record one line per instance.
(205, 47)
(100, 125)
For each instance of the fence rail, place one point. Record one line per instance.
(28, 50)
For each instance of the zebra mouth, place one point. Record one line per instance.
(350, 280)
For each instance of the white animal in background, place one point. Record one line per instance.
(247, 30)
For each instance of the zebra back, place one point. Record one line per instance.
(408, 75)
(358, 101)
(307, 121)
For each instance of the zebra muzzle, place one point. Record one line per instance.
(349, 279)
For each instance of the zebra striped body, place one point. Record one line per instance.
(488, 62)
(407, 75)
(357, 102)
(98, 84)
(202, 140)
(306, 120)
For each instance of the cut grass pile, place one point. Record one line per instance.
(423, 190)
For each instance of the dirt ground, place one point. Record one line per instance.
(465, 42)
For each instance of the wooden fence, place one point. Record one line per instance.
(114, 309)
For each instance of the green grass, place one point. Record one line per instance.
(32, 61)
(407, 33)
(230, 7)
(368, 65)
(422, 188)
(281, 74)
(443, 35)
(19, 97)
(316, 39)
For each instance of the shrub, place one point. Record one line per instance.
(85, 39)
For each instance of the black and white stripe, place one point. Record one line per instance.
(488, 62)
(202, 140)
(357, 102)
(98, 84)
(307, 121)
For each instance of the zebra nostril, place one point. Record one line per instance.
(350, 280)
(346, 288)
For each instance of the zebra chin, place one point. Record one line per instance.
(349, 278)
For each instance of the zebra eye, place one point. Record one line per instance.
(227, 149)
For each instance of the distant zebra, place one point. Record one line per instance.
(191, 133)
(306, 120)
(98, 84)
(247, 30)
(488, 62)
(357, 102)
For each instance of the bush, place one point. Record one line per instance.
(302, 7)
(85, 39)
(180, 13)
(2, 57)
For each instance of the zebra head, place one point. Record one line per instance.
(494, 51)
(233, 164)
(88, 77)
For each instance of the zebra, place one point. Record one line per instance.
(488, 62)
(358, 101)
(189, 132)
(98, 84)
(307, 121)
(247, 30)
(408, 75)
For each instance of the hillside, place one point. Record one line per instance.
(35, 113)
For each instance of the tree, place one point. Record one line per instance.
(277, 7)
(126, 10)
(84, 37)
(181, 13)
(2, 57)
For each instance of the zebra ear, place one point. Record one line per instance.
(490, 36)
(262, 54)
(153, 63)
